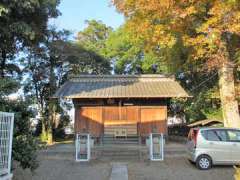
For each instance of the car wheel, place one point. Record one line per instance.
(204, 162)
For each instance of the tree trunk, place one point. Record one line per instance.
(3, 63)
(51, 106)
(51, 116)
(43, 133)
(227, 95)
(49, 136)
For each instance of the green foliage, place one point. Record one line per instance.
(124, 54)
(8, 86)
(199, 107)
(25, 151)
(3, 10)
(128, 54)
(93, 37)
(204, 104)
(25, 20)
(93, 59)
(213, 113)
(24, 144)
(22, 24)
(87, 62)
(191, 109)
(151, 59)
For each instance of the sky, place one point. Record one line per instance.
(75, 12)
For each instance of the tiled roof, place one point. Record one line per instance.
(121, 86)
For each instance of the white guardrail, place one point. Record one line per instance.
(6, 136)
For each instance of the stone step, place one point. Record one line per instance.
(121, 152)
(116, 153)
(121, 157)
(120, 142)
(123, 140)
(128, 137)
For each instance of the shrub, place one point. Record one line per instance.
(24, 151)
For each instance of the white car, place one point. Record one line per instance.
(209, 146)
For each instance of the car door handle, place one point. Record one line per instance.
(211, 143)
(234, 144)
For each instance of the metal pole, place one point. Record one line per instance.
(162, 148)
(76, 147)
(87, 147)
(151, 147)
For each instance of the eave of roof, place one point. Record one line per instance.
(205, 122)
(121, 86)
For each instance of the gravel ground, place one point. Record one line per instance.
(69, 170)
(177, 168)
(61, 166)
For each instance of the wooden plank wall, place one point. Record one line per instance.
(138, 120)
(125, 117)
(89, 120)
(120, 115)
(153, 120)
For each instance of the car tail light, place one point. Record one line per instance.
(192, 136)
(195, 134)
